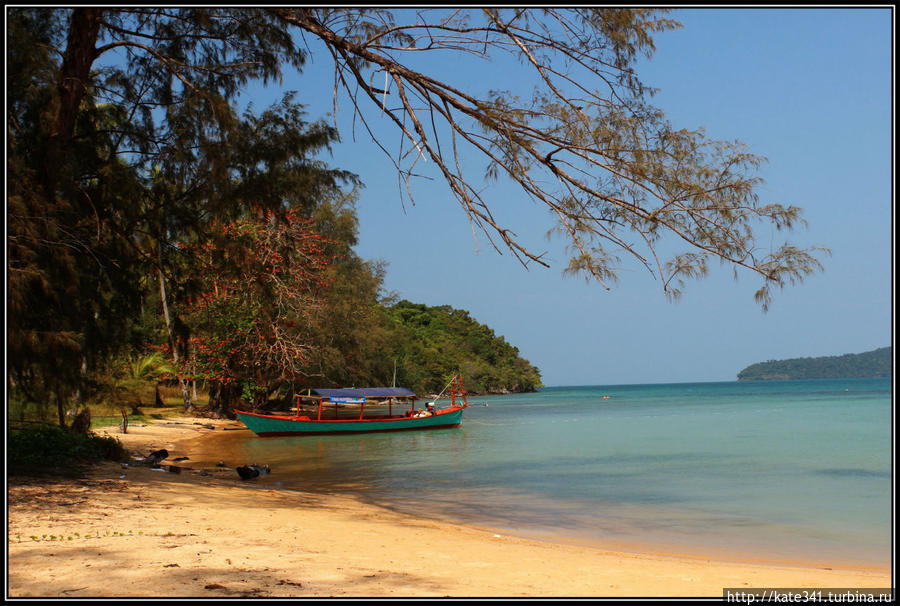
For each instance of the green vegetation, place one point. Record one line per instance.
(875, 363)
(429, 343)
(49, 447)
(76, 536)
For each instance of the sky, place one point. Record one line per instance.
(809, 89)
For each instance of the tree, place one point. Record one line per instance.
(262, 163)
(349, 336)
(617, 176)
(71, 271)
(113, 163)
(263, 279)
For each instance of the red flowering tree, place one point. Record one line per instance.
(264, 279)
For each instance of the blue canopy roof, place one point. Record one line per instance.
(366, 392)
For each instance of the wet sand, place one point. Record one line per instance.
(204, 533)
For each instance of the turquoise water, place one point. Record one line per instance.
(787, 470)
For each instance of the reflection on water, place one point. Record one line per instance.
(795, 470)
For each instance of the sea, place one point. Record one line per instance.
(777, 471)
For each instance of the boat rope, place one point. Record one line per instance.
(445, 389)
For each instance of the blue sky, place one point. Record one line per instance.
(810, 89)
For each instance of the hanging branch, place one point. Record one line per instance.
(587, 144)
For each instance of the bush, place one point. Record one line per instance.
(49, 448)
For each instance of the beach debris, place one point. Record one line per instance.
(248, 472)
(156, 456)
(220, 464)
(497, 536)
(180, 459)
(173, 468)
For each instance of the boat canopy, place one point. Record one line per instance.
(366, 392)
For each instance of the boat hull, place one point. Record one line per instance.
(268, 425)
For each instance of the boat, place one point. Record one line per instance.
(359, 410)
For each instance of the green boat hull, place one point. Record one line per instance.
(267, 425)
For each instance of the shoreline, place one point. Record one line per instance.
(205, 533)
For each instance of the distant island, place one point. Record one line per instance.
(875, 363)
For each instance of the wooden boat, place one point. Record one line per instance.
(359, 410)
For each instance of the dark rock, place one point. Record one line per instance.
(248, 472)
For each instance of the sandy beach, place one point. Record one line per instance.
(205, 533)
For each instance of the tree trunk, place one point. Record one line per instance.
(223, 399)
(75, 72)
(185, 393)
(60, 406)
(194, 382)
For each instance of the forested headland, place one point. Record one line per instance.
(875, 363)
(427, 342)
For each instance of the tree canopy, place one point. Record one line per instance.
(119, 169)
(429, 343)
(128, 156)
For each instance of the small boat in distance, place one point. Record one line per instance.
(358, 410)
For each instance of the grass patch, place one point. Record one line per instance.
(106, 418)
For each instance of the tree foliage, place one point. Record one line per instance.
(71, 271)
(125, 145)
(430, 343)
(263, 280)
